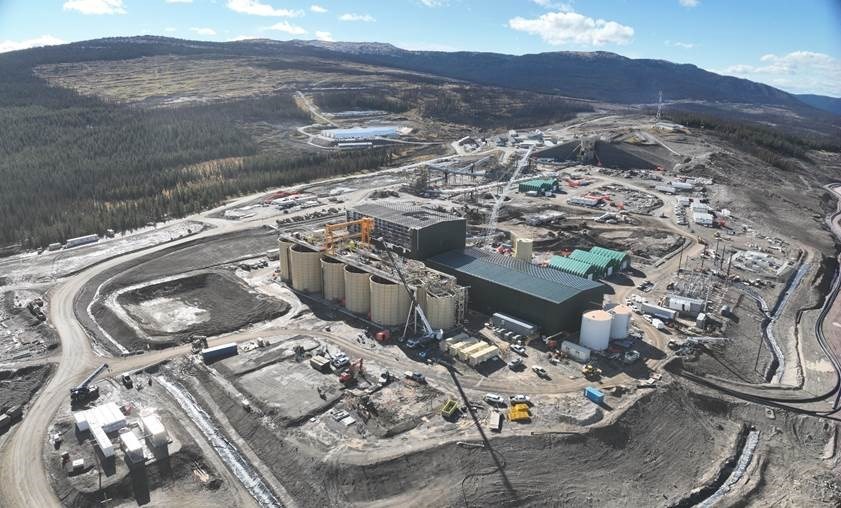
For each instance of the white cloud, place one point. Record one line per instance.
(178, 1)
(689, 3)
(324, 36)
(351, 16)
(203, 31)
(434, 3)
(552, 4)
(95, 6)
(558, 28)
(257, 8)
(796, 72)
(285, 26)
(243, 38)
(683, 45)
(317, 9)
(44, 40)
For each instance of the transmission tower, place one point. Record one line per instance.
(659, 106)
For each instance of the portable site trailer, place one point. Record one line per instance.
(495, 421)
(575, 351)
(483, 355)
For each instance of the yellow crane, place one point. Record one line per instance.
(337, 233)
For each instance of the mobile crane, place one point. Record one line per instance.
(84, 392)
(429, 333)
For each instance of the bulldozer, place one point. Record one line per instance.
(591, 372)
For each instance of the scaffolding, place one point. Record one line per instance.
(336, 233)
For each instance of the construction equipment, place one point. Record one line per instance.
(198, 343)
(591, 372)
(500, 200)
(349, 376)
(333, 233)
(429, 333)
(83, 392)
(448, 410)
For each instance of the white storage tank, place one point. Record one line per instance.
(595, 329)
(357, 290)
(389, 302)
(305, 265)
(283, 255)
(333, 279)
(441, 311)
(621, 321)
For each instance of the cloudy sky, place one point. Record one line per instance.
(791, 44)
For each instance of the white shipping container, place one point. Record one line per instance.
(575, 351)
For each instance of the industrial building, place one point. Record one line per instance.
(551, 299)
(539, 185)
(622, 258)
(361, 133)
(573, 267)
(419, 232)
(604, 266)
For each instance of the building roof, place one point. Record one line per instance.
(600, 262)
(407, 215)
(541, 282)
(608, 253)
(572, 266)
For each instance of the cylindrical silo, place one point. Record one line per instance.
(523, 249)
(595, 329)
(441, 311)
(389, 302)
(305, 265)
(283, 247)
(357, 290)
(333, 279)
(621, 322)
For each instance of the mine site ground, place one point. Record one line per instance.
(265, 428)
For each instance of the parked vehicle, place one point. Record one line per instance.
(540, 371)
(631, 357)
(519, 349)
(494, 399)
(415, 376)
(519, 399)
(516, 363)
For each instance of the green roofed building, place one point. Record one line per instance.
(604, 266)
(540, 185)
(573, 266)
(622, 258)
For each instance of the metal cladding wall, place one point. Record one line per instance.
(285, 272)
(437, 238)
(333, 279)
(441, 311)
(357, 290)
(389, 302)
(305, 265)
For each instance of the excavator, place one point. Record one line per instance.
(591, 372)
(430, 334)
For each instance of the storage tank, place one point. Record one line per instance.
(305, 268)
(595, 329)
(523, 249)
(283, 248)
(621, 322)
(357, 290)
(333, 279)
(389, 302)
(441, 311)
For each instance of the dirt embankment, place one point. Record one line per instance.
(19, 385)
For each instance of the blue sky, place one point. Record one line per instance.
(792, 44)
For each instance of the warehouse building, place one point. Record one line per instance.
(573, 267)
(549, 298)
(419, 232)
(604, 266)
(361, 133)
(622, 258)
(539, 185)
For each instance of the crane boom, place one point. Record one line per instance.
(523, 162)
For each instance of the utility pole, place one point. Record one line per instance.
(659, 106)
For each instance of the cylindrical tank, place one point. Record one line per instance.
(523, 248)
(333, 279)
(595, 329)
(441, 311)
(283, 247)
(305, 265)
(621, 322)
(357, 290)
(389, 302)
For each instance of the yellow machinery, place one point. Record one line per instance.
(519, 413)
(336, 233)
(449, 409)
(591, 372)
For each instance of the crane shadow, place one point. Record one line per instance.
(487, 444)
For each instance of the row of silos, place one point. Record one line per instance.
(598, 327)
(384, 301)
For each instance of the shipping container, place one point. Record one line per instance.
(219, 352)
(513, 324)
(320, 363)
(593, 394)
(660, 312)
(495, 421)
